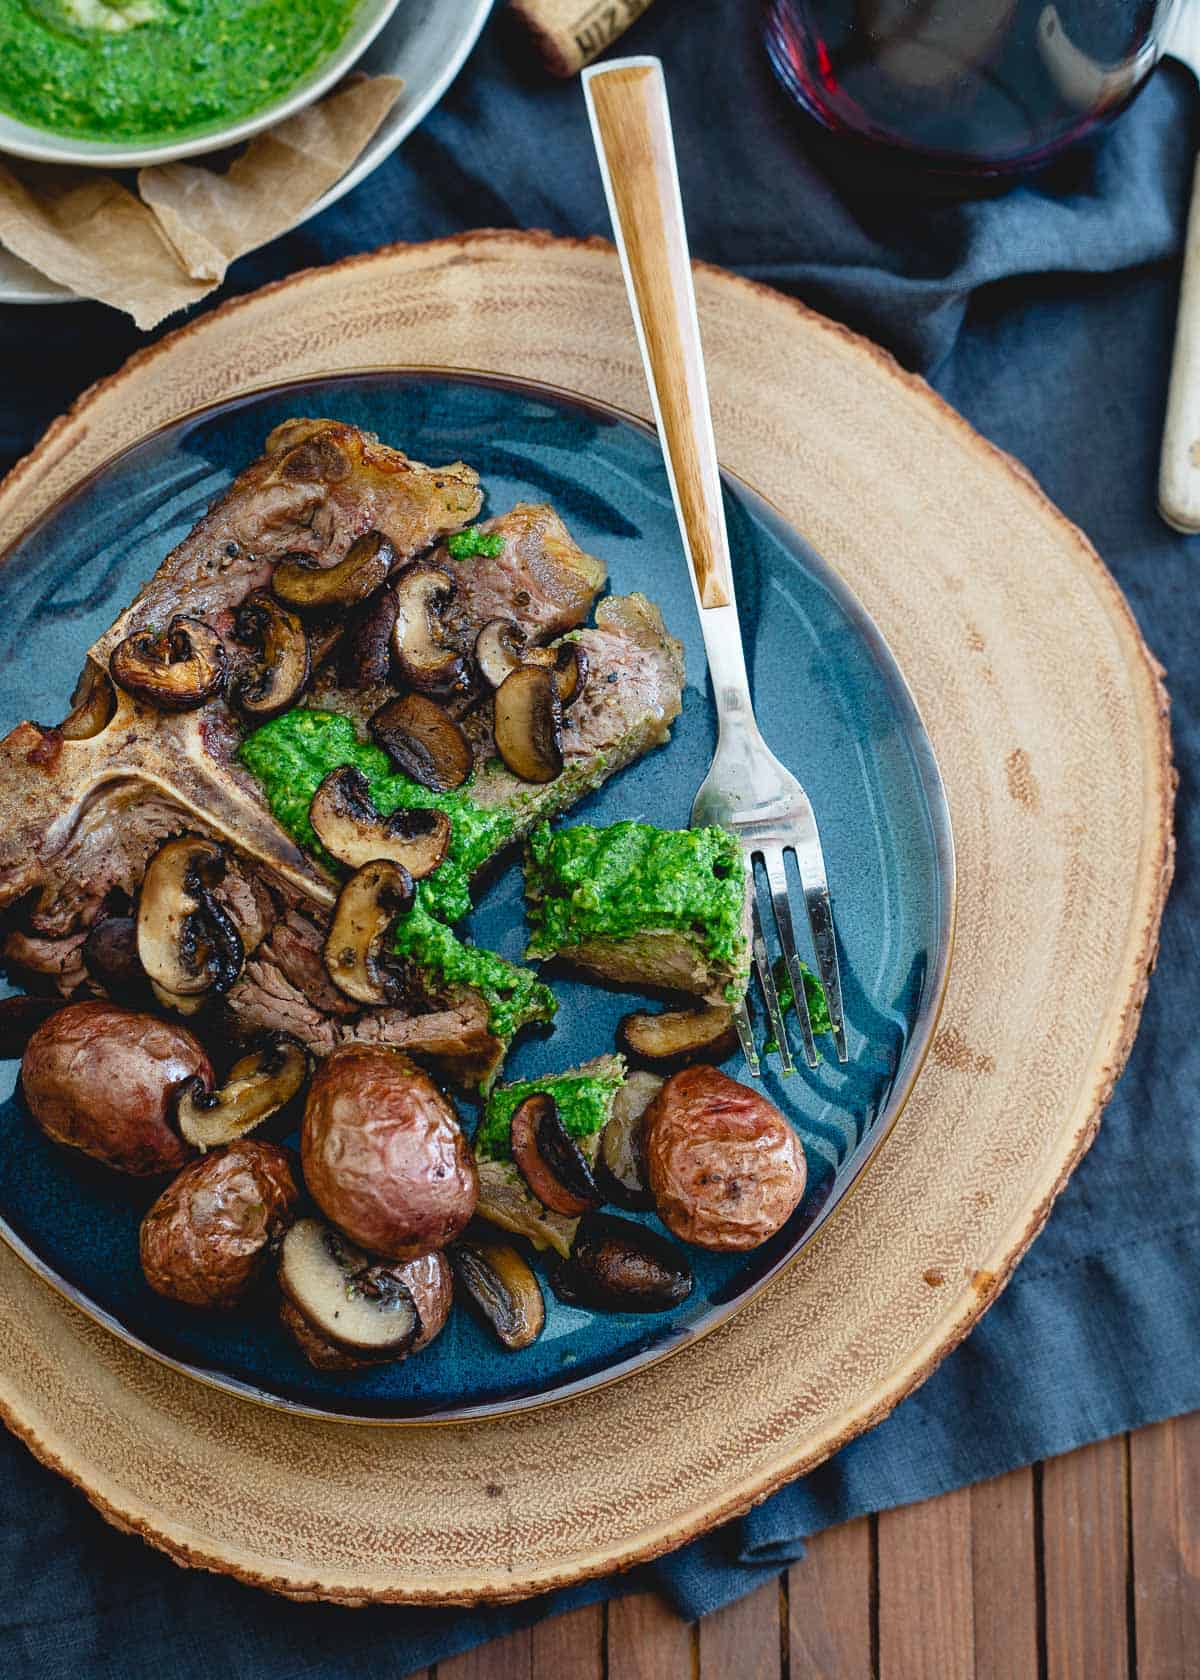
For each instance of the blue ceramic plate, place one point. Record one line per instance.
(831, 703)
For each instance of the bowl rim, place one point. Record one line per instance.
(45, 145)
(856, 1162)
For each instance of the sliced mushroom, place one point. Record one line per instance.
(298, 582)
(356, 1303)
(279, 677)
(502, 647)
(423, 660)
(501, 1287)
(618, 1266)
(92, 705)
(356, 950)
(549, 1159)
(110, 955)
(528, 724)
(176, 670)
(422, 739)
(187, 943)
(347, 824)
(20, 1018)
(365, 658)
(622, 1145)
(258, 1086)
(676, 1037)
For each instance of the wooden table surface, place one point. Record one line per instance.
(1083, 1568)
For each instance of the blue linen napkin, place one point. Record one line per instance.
(1046, 317)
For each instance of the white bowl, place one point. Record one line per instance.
(23, 140)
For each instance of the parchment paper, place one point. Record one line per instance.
(156, 253)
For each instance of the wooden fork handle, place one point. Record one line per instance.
(627, 103)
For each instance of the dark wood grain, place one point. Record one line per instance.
(829, 1606)
(926, 1614)
(1004, 1578)
(1086, 1560)
(570, 1647)
(744, 1639)
(646, 1641)
(1164, 1494)
(507, 1658)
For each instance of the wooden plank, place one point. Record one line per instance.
(1164, 1497)
(743, 1640)
(1004, 1578)
(1086, 1562)
(829, 1606)
(570, 1647)
(647, 1641)
(926, 1614)
(507, 1658)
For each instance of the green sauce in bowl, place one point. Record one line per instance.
(141, 70)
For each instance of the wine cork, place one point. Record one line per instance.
(570, 33)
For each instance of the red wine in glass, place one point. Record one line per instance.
(965, 88)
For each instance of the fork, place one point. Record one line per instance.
(747, 790)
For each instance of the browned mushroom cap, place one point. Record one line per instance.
(528, 724)
(110, 955)
(422, 739)
(567, 663)
(310, 588)
(356, 1303)
(549, 1159)
(347, 824)
(500, 649)
(356, 948)
(501, 1287)
(258, 1086)
(178, 669)
(422, 658)
(676, 1037)
(617, 1266)
(279, 677)
(365, 656)
(92, 705)
(186, 942)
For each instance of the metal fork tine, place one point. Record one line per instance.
(745, 1032)
(766, 980)
(811, 865)
(781, 904)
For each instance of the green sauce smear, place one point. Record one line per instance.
(154, 69)
(589, 883)
(814, 995)
(465, 545)
(292, 755)
(584, 1102)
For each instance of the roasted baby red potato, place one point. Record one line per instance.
(207, 1237)
(384, 1157)
(105, 1079)
(725, 1168)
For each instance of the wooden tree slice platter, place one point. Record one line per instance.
(1050, 723)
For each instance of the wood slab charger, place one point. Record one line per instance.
(1050, 723)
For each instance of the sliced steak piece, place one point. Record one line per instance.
(319, 485)
(541, 580)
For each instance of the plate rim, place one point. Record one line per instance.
(925, 1029)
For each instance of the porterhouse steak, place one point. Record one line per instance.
(85, 805)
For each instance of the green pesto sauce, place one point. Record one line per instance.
(465, 545)
(814, 994)
(611, 883)
(149, 69)
(514, 996)
(584, 1102)
(292, 755)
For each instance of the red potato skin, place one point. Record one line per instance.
(431, 1284)
(725, 1167)
(206, 1238)
(104, 1079)
(384, 1157)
